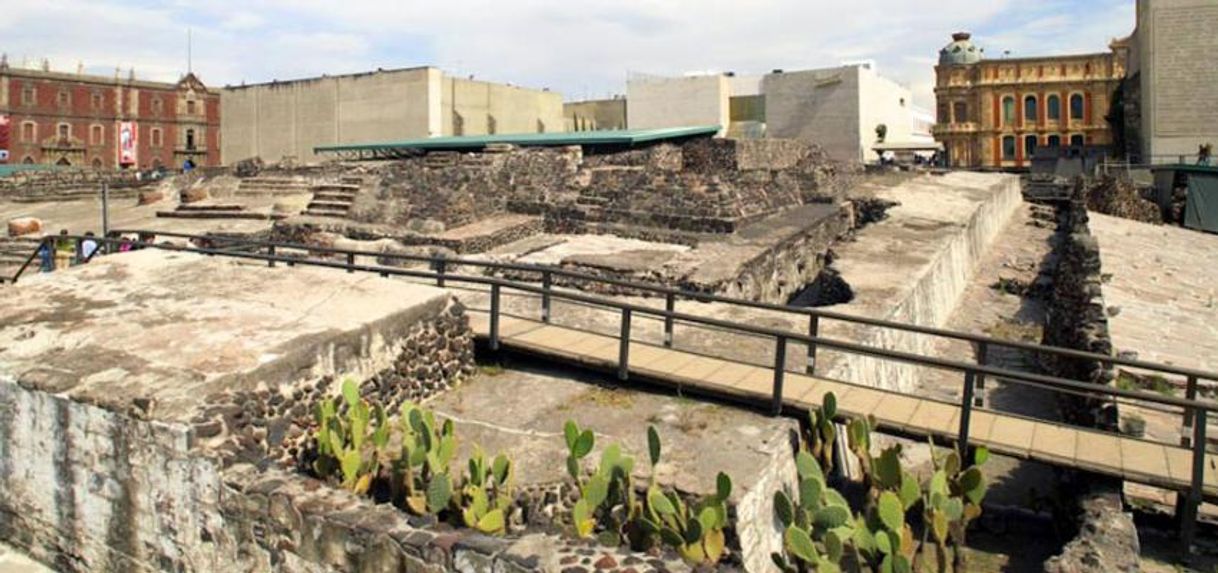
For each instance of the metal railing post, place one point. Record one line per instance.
(546, 283)
(813, 330)
(494, 333)
(983, 351)
(1188, 515)
(1190, 393)
(670, 306)
(780, 369)
(966, 414)
(270, 251)
(441, 267)
(623, 353)
(350, 262)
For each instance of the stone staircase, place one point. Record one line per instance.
(13, 253)
(263, 186)
(334, 199)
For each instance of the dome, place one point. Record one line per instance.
(960, 51)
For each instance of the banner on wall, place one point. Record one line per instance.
(127, 140)
(5, 127)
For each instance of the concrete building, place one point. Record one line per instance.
(288, 119)
(995, 113)
(73, 119)
(595, 115)
(1171, 94)
(838, 108)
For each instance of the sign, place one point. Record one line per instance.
(128, 138)
(5, 131)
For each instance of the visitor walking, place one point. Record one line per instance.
(87, 247)
(46, 256)
(65, 249)
(1205, 154)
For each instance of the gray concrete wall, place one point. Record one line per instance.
(514, 109)
(821, 106)
(289, 119)
(1176, 47)
(677, 102)
(591, 115)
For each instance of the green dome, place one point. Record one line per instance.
(960, 51)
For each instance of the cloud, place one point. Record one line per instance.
(579, 47)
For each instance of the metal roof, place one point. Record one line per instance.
(622, 137)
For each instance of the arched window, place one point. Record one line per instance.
(1008, 110)
(1029, 146)
(1076, 106)
(1008, 147)
(1076, 139)
(961, 111)
(1055, 141)
(28, 160)
(1053, 107)
(1029, 108)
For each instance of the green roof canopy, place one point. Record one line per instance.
(621, 138)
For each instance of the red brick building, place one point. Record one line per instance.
(57, 118)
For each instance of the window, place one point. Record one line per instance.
(1030, 113)
(1076, 139)
(96, 135)
(1055, 141)
(29, 132)
(157, 139)
(190, 140)
(96, 101)
(1008, 147)
(64, 99)
(1053, 107)
(28, 95)
(190, 107)
(961, 111)
(1008, 110)
(943, 113)
(1029, 146)
(65, 131)
(157, 105)
(1076, 106)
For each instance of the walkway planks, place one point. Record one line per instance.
(1057, 444)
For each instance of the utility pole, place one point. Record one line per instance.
(105, 215)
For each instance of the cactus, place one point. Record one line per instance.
(822, 434)
(420, 479)
(351, 445)
(486, 496)
(822, 533)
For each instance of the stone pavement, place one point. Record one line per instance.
(13, 561)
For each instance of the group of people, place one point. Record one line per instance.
(65, 251)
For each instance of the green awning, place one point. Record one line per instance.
(623, 137)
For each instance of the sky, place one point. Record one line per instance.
(581, 48)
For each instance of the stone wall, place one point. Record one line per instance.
(56, 184)
(88, 488)
(1075, 318)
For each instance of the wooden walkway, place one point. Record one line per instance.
(1131, 459)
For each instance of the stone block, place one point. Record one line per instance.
(193, 195)
(150, 196)
(21, 226)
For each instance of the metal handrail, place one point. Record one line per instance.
(26, 264)
(705, 297)
(1198, 409)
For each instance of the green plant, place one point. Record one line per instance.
(823, 534)
(485, 498)
(350, 444)
(1133, 425)
(420, 476)
(822, 433)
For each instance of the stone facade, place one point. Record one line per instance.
(58, 185)
(995, 112)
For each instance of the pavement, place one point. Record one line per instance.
(14, 561)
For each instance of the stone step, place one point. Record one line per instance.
(357, 181)
(337, 187)
(330, 205)
(216, 215)
(211, 207)
(325, 213)
(333, 196)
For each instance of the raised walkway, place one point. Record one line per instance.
(1058, 444)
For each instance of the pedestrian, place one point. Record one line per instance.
(88, 247)
(46, 256)
(1205, 154)
(65, 249)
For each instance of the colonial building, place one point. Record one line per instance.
(994, 113)
(57, 118)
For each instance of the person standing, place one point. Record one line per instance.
(65, 249)
(87, 247)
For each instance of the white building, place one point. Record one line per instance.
(839, 108)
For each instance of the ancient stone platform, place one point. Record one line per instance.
(140, 396)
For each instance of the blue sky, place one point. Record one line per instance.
(582, 48)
